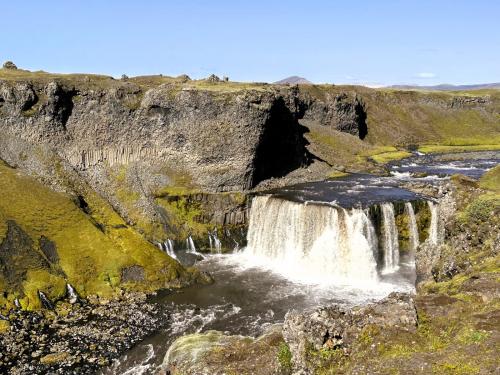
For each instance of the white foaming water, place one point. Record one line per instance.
(144, 366)
(401, 175)
(314, 244)
(73, 297)
(390, 239)
(214, 241)
(168, 247)
(413, 230)
(433, 230)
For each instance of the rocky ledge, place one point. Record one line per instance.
(78, 338)
(293, 347)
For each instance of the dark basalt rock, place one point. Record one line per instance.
(18, 255)
(49, 249)
(132, 273)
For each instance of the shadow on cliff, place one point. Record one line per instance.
(282, 145)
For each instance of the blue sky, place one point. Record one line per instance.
(366, 42)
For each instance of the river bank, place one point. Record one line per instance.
(76, 338)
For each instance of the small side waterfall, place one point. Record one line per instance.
(190, 245)
(390, 238)
(71, 293)
(413, 230)
(434, 229)
(214, 241)
(315, 243)
(168, 247)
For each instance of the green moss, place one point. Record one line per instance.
(457, 368)
(423, 218)
(285, 357)
(183, 215)
(437, 148)
(480, 209)
(386, 157)
(4, 326)
(41, 280)
(336, 174)
(491, 179)
(93, 248)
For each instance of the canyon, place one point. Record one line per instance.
(158, 191)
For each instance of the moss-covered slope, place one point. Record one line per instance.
(48, 239)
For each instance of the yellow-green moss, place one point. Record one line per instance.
(437, 148)
(41, 280)
(93, 249)
(386, 157)
(491, 179)
(4, 326)
(336, 174)
(285, 357)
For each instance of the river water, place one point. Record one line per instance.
(309, 245)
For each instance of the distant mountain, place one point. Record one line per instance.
(446, 87)
(294, 80)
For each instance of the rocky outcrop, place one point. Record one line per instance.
(336, 328)
(214, 353)
(344, 112)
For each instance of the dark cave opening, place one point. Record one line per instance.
(282, 146)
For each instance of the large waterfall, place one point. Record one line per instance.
(313, 243)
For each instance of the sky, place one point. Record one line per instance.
(374, 43)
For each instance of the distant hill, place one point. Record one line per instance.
(446, 87)
(294, 80)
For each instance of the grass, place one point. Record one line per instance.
(386, 157)
(439, 148)
(491, 179)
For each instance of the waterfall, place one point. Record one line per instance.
(71, 293)
(169, 248)
(390, 238)
(433, 229)
(191, 248)
(190, 245)
(45, 301)
(413, 230)
(214, 241)
(313, 243)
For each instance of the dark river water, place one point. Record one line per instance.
(247, 296)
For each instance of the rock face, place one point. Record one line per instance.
(337, 328)
(225, 140)
(342, 112)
